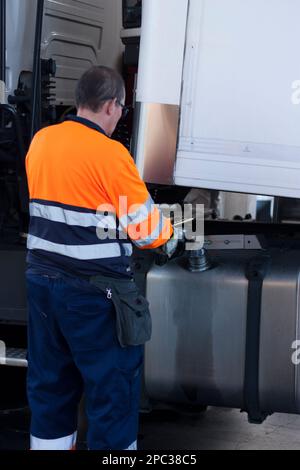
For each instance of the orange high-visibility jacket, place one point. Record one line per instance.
(88, 202)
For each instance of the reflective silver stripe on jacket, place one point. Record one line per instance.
(80, 252)
(139, 215)
(154, 235)
(72, 218)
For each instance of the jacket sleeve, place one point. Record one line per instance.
(138, 215)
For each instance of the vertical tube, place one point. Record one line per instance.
(2, 39)
(36, 120)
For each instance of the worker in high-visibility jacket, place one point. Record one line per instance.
(78, 178)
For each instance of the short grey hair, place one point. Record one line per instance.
(98, 85)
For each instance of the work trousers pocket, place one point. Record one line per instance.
(134, 324)
(133, 319)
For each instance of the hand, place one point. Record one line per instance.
(175, 246)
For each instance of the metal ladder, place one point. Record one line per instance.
(13, 357)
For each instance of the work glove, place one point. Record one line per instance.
(174, 248)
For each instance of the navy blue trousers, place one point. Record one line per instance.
(73, 348)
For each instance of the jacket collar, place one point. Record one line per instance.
(85, 122)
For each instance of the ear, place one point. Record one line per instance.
(110, 107)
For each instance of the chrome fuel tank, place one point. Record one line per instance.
(197, 352)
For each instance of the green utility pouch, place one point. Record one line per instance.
(133, 320)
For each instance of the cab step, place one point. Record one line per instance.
(13, 357)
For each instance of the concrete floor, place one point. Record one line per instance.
(216, 429)
(219, 429)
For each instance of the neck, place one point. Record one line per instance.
(96, 118)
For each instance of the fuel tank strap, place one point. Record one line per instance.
(256, 271)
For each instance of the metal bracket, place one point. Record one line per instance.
(255, 273)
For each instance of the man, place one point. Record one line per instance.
(76, 174)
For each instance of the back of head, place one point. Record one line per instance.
(98, 85)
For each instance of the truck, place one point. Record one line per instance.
(214, 91)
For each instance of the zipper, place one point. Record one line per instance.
(109, 293)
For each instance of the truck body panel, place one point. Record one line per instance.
(76, 34)
(237, 106)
